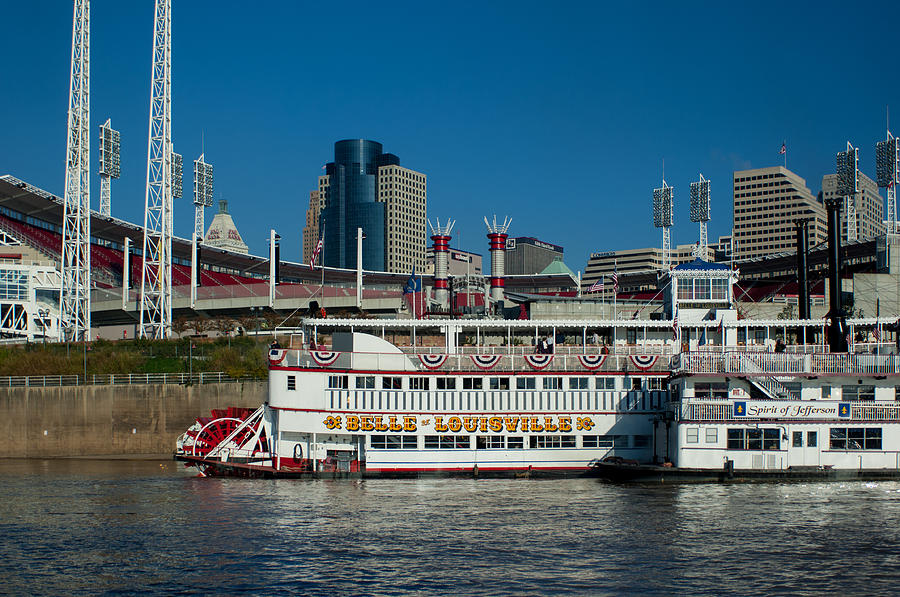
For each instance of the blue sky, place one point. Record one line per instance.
(557, 114)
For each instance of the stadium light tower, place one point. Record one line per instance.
(848, 185)
(886, 169)
(203, 197)
(700, 213)
(75, 295)
(156, 276)
(663, 218)
(109, 163)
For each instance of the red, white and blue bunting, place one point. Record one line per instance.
(276, 355)
(591, 361)
(538, 361)
(486, 361)
(324, 358)
(432, 361)
(643, 361)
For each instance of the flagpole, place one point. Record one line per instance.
(784, 145)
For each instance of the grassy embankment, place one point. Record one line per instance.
(238, 357)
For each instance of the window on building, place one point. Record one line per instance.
(391, 383)
(712, 435)
(692, 435)
(515, 443)
(858, 392)
(418, 383)
(499, 383)
(525, 383)
(394, 442)
(365, 382)
(606, 383)
(754, 439)
(552, 383)
(552, 441)
(812, 439)
(446, 383)
(471, 383)
(711, 390)
(656, 383)
(337, 382)
(291, 383)
(489, 442)
(855, 438)
(447, 442)
(797, 439)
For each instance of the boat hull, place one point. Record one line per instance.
(648, 473)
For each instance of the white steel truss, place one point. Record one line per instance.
(75, 293)
(156, 278)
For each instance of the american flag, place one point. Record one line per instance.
(315, 255)
(675, 325)
(615, 279)
(596, 286)
(783, 148)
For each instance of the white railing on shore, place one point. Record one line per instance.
(768, 363)
(48, 381)
(720, 410)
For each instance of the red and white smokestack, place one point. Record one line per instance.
(440, 235)
(497, 237)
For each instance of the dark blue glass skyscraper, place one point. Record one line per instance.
(351, 203)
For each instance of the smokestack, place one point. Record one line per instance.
(802, 228)
(837, 341)
(441, 237)
(497, 237)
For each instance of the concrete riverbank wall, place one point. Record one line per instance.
(118, 420)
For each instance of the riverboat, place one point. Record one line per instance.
(698, 395)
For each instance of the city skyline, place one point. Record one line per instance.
(508, 113)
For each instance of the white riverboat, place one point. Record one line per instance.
(700, 394)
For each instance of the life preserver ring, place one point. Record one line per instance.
(298, 452)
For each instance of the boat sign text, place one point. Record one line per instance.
(773, 409)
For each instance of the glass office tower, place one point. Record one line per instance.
(351, 203)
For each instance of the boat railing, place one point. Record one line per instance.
(723, 410)
(474, 362)
(753, 363)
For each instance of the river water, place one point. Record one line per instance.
(120, 527)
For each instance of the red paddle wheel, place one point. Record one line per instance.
(208, 432)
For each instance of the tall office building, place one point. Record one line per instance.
(869, 207)
(403, 192)
(766, 203)
(313, 213)
(367, 188)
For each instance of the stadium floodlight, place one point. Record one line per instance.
(109, 150)
(886, 161)
(203, 182)
(177, 176)
(700, 200)
(848, 171)
(662, 206)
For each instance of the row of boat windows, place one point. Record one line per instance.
(497, 401)
(368, 382)
(840, 438)
(500, 442)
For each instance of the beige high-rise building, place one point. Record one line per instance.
(869, 207)
(311, 230)
(404, 193)
(766, 203)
